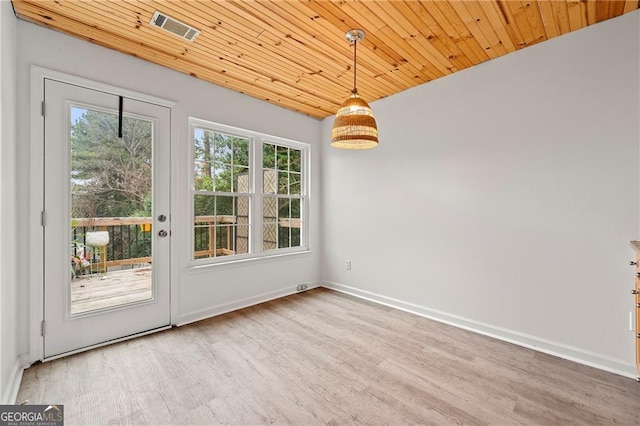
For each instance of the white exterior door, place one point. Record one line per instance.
(106, 217)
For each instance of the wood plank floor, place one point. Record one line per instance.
(98, 291)
(321, 357)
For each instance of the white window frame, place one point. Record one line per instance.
(255, 194)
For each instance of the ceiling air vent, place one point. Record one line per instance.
(174, 26)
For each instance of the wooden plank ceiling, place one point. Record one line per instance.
(294, 54)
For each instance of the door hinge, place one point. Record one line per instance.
(43, 217)
(42, 329)
(43, 108)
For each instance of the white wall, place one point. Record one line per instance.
(503, 198)
(208, 290)
(9, 364)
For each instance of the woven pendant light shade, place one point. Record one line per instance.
(355, 126)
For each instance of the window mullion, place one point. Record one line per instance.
(258, 207)
(304, 197)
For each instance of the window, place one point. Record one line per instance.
(249, 194)
(282, 198)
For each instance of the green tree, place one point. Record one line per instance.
(220, 161)
(110, 176)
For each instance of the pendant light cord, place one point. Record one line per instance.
(355, 46)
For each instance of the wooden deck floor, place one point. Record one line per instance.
(98, 291)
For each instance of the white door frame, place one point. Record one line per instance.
(36, 194)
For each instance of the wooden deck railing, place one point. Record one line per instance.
(207, 223)
(130, 237)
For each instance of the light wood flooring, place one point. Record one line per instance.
(98, 291)
(321, 357)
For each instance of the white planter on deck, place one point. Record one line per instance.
(97, 238)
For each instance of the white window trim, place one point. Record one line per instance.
(256, 197)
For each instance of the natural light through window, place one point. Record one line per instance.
(282, 197)
(249, 194)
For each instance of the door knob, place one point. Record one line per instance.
(633, 263)
(634, 292)
(162, 233)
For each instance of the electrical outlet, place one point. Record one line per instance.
(348, 265)
(301, 287)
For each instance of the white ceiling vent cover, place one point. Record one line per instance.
(174, 26)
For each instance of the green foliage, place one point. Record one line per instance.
(129, 242)
(220, 161)
(145, 210)
(110, 176)
(222, 165)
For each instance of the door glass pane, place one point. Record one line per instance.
(111, 208)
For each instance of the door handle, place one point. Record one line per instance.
(162, 233)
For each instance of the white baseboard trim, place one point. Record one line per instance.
(11, 393)
(238, 304)
(532, 342)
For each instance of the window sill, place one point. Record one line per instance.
(193, 267)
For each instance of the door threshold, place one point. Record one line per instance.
(108, 342)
